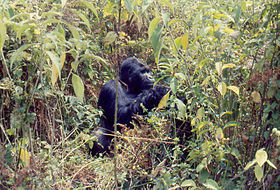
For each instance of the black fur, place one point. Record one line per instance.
(135, 90)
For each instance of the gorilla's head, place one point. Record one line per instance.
(136, 75)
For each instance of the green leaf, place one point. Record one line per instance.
(201, 124)
(173, 21)
(256, 97)
(18, 53)
(153, 26)
(128, 5)
(181, 108)
(185, 40)
(164, 100)
(83, 17)
(237, 14)
(91, 7)
(250, 164)
(258, 172)
(230, 124)
(55, 59)
(261, 157)
(78, 86)
(271, 164)
(230, 65)
(211, 184)
(51, 21)
(222, 88)
(178, 42)
(235, 89)
(206, 81)
(24, 157)
(219, 68)
(2, 34)
(219, 134)
(110, 37)
(157, 42)
(74, 31)
(188, 183)
(200, 113)
(56, 66)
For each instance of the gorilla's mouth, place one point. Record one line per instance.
(148, 85)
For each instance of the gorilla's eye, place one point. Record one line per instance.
(144, 70)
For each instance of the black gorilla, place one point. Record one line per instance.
(135, 90)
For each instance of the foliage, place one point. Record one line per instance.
(221, 56)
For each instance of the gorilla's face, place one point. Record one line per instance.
(147, 80)
(136, 75)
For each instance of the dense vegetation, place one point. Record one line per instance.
(222, 56)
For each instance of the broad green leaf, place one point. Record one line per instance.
(25, 16)
(258, 172)
(219, 134)
(237, 14)
(91, 7)
(228, 30)
(261, 157)
(51, 21)
(185, 40)
(74, 31)
(78, 86)
(200, 167)
(206, 81)
(201, 124)
(181, 108)
(180, 76)
(153, 26)
(51, 14)
(164, 100)
(193, 122)
(218, 15)
(56, 66)
(110, 37)
(83, 17)
(271, 164)
(222, 88)
(55, 74)
(2, 34)
(235, 153)
(23, 28)
(188, 183)
(24, 157)
(230, 65)
(178, 42)
(219, 68)
(174, 85)
(256, 97)
(55, 71)
(165, 18)
(211, 184)
(173, 21)
(157, 43)
(250, 164)
(18, 53)
(200, 113)
(166, 3)
(128, 5)
(235, 89)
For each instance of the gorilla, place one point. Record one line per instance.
(135, 90)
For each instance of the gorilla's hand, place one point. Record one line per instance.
(152, 97)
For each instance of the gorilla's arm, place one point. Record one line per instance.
(127, 106)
